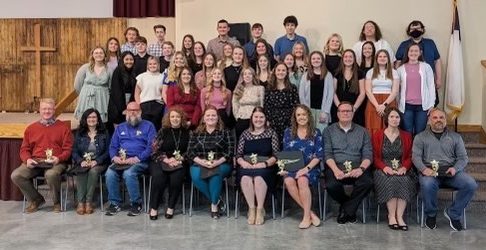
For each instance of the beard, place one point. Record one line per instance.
(134, 120)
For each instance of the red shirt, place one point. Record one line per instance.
(377, 141)
(188, 102)
(38, 138)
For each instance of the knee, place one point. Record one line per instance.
(303, 182)
(259, 181)
(16, 176)
(51, 175)
(289, 182)
(195, 173)
(471, 185)
(129, 174)
(245, 180)
(428, 183)
(110, 175)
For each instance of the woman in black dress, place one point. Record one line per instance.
(280, 99)
(122, 89)
(349, 86)
(255, 156)
(169, 164)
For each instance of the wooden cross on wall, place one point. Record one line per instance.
(37, 48)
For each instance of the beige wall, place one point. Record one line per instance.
(318, 19)
(145, 27)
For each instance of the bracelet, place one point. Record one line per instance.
(362, 168)
(385, 104)
(308, 168)
(266, 164)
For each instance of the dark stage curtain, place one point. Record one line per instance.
(9, 160)
(144, 8)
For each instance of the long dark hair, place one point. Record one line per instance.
(354, 88)
(362, 66)
(83, 123)
(378, 34)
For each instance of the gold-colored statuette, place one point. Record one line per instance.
(211, 157)
(49, 153)
(177, 155)
(88, 157)
(122, 153)
(435, 167)
(395, 164)
(254, 159)
(348, 167)
(282, 162)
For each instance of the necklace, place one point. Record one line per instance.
(178, 140)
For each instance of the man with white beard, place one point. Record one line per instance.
(130, 150)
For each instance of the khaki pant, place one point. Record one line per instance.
(22, 177)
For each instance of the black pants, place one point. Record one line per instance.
(160, 180)
(153, 111)
(361, 187)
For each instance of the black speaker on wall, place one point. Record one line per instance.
(240, 31)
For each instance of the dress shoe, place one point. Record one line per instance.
(305, 224)
(260, 216)
(81, 209)
(154, 217)
(341, 218)
(89, 208)
(34, 206)
(56, 208)
(215, 215)
(315, 220)
(251, 216)
(168, 216)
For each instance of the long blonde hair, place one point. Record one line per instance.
(173, 71)
(210, 87)
(240, 86)
(341, 46)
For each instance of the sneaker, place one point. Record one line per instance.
(112, 209)
(135, 209)
(352, 219)
(455, 224)
(430, 222)
(221, 206)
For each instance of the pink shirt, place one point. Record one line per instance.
(216, 99)
(413, 94)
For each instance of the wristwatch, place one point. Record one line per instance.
(266, 164)
(362, 168)
(308, 168)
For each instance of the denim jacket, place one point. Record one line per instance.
(81, 144)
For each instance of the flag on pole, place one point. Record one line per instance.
(455, 70)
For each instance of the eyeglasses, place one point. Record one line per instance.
(345, 111)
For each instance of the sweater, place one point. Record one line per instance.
(327, 94)
(379, 137)
(427, 85)
(38, 138)
(137, 141)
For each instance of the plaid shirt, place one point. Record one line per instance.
(221, 142)
(155, 49)
(129, 47)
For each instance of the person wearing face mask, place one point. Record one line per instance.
(415, 31)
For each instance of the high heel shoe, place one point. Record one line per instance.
(315, 220)
(168, 216)
(154, 217)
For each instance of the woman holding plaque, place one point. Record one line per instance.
(90, 156)
(211, 148)
(168, 165)
(395, 182)
(255, 156)
(302, 136)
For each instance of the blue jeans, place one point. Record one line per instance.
(210, 187)
(414, 119)
(131, 181)
(462, 182)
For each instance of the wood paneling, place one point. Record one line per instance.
(73, 39)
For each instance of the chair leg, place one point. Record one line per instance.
(422, 215)
(273, 207)
(377, 213)
(364, 210)
(102, 207)
(149, 195)
(183, 198)
(324, 208)
(320, 199)
(144, 195)
(190, 199)
(237, 198)
(283, 200)
(227, 199)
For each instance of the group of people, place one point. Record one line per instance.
(204, 111)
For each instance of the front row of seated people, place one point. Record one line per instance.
(344, 148)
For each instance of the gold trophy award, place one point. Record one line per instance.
(435, 167)
(348, 167)
(88, 157)
(395, 164)
(281, 164)
(211, 157)
(122, 153)
(177, 155)
(254, 159)
(49, 157)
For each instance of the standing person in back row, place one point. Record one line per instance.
(284, 44)
(216, 45)
(430, 53)
(155, 49)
